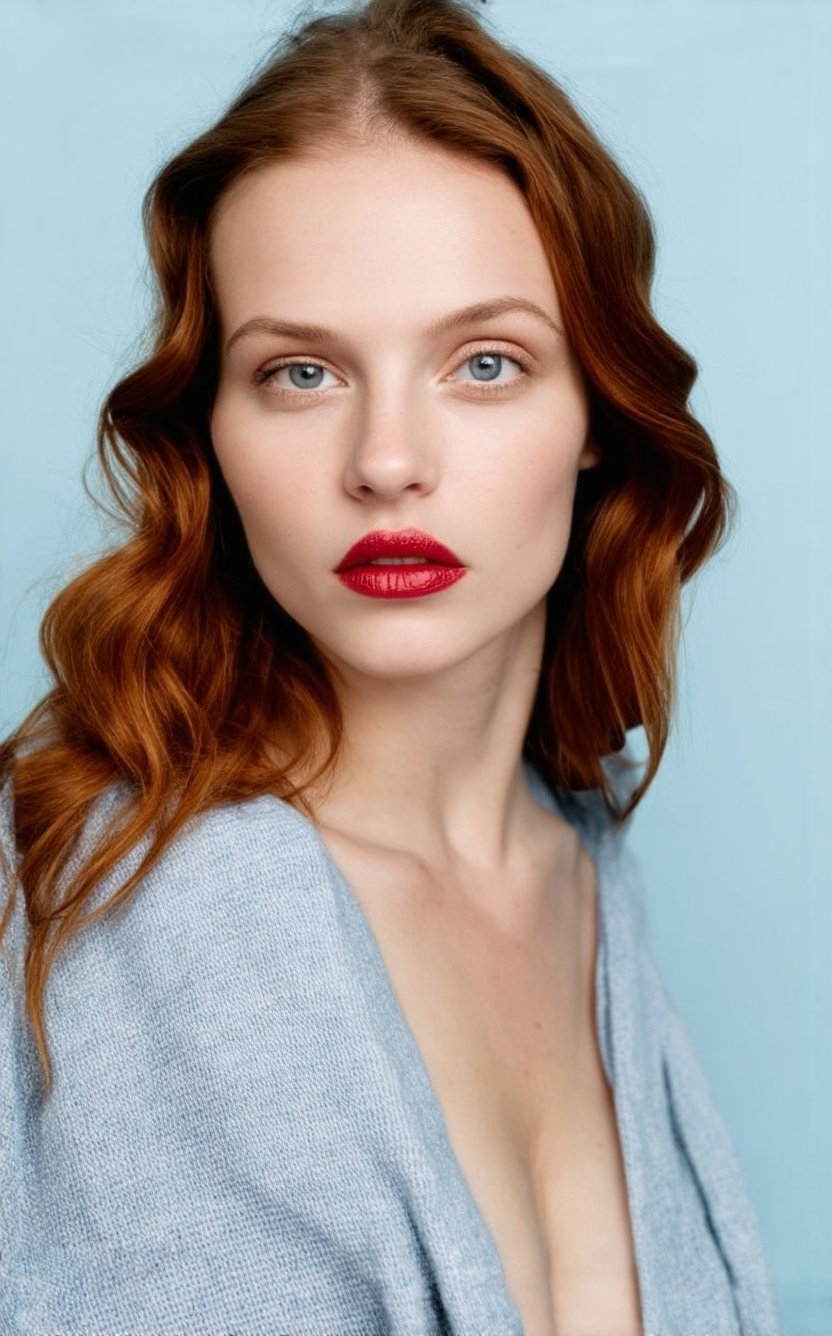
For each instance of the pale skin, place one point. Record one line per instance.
(428, 812)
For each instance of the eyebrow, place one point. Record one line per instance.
(467, 315)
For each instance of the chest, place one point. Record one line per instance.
(505, 1023)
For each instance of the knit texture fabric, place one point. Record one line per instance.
(243, 1140)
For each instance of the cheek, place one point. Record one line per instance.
(542, 522)
(264, 487)
(528, 485)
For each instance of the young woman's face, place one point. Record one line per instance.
(473, 431)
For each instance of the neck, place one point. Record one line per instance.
(432, 765)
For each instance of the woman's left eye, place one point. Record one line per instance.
(487, 364)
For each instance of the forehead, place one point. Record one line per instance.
(407, 224)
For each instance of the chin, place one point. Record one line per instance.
(394, 665)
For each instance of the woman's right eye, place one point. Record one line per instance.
(303, 376)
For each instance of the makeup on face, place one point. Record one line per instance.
(398, 418)
(407, 563)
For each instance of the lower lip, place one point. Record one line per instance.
(411, 581)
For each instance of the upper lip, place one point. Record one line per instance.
(403, 543)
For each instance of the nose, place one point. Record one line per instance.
(392, 450)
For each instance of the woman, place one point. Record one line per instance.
(351, 1022)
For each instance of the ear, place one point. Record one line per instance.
(590, 456)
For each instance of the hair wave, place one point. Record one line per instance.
(136, 698)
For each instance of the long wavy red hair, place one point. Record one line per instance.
(136, 697)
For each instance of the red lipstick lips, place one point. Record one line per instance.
(437, 567)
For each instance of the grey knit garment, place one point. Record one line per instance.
(243, 1137)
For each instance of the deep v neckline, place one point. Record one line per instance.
(460, 1224)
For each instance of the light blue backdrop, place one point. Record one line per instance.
(722, 112)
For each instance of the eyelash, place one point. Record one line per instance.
(264, 375)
